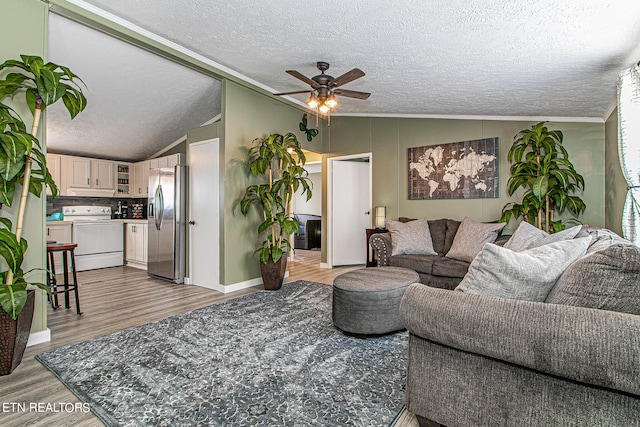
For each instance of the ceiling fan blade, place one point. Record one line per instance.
(347, 77)
(304, 78)
(291, 93)
(352, 93)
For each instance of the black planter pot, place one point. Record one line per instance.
(273, 273)
(14, 335)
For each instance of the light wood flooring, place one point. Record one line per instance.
(113, 299)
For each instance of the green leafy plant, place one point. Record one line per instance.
(42, 84)
(273, 159)
(541, 166)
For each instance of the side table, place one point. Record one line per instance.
(370, 231)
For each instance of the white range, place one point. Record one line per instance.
(100, 239)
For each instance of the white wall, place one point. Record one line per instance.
(314, 205)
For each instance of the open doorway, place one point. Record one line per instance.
(348, 209)
(309, 214)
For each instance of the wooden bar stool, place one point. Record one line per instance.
(65, 249)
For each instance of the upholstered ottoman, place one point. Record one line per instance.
(367, 301)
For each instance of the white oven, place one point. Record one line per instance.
(100, 239)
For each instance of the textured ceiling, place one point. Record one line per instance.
(137, 102)
(528, 58)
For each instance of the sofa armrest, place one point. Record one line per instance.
(381, 243)
(591, 346)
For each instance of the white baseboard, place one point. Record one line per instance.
(225, 289)
(39, 337)
(325, 265)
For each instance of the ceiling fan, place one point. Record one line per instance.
(324, 87)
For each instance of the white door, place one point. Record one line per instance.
(350, 210)
(204, 217)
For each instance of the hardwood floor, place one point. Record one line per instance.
(113, 299)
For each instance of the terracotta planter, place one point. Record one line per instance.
(273, 273)
(14, 335)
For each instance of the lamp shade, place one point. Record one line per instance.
(380, 214)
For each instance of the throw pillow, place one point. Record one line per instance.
(608, 279)
(410, 237)
(470, 238)
(528, 236)
(528, 275)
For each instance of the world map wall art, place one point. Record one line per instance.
(459, 170)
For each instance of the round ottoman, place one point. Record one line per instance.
(367, 301)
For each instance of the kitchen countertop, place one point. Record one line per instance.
(60, 222)
(135, 221)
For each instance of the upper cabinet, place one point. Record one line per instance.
(53, 164)
(124, 175)
(82, 176)
(140, 179)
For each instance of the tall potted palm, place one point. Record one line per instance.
(278, 161)
(23, 167)
(541, 166)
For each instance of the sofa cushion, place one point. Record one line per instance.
(470, 238)
(528, 236)
(449, 267)
(601, 237)
(410, 238)
(419, 263)
(608, 279)
(452, 229)
(528, 275)
(438, 230)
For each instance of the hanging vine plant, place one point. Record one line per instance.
(541, 166)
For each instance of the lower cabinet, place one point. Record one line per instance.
(136, 244)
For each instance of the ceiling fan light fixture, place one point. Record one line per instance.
(331, 102)
(324, 108)
(313, 102)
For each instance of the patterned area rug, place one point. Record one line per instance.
(268, 358)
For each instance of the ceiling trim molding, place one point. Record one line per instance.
(470, 117)
(610, 110)
(183, 138)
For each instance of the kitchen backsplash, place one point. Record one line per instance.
(133, 208)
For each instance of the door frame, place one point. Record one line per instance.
(330, 161)
(216, 286)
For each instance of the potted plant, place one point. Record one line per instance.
(541, 166)
(278, 160)
(23, 167)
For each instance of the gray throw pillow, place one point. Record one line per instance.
(411, 237)
(528, 275)
(470, 238)
(608, 279)
(528, 236)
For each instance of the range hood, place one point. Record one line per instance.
(90, 192)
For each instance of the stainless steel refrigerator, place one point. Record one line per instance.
(167, 228)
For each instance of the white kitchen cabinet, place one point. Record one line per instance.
(59, 233)
(136, 244)
(124, 179)
(54, 167)
(166, 161)
(140, 179)
(80, 175)
(77, 171)
(102, 174)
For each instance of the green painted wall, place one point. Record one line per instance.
(247, 115)
(389, 138)
(23, 29)
(615, 183)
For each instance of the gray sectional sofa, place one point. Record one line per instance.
(572, 359)
(437, 270)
